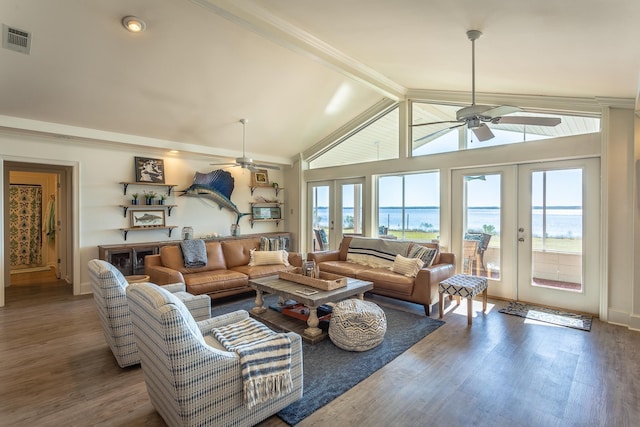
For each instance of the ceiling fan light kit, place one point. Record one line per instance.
(244, 161)
(476, 116)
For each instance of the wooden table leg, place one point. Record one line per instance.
(441, 304)
(484, 300)
(469, 310)
(313, 322)
(259, 302)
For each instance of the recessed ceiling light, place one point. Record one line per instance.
(173, 151)
(134, 24)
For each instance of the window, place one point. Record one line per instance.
(451, 136)
(376, 141)
(409, 206)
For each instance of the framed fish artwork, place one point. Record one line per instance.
(149, 170)
(147, 218)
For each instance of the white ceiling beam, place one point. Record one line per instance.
(271, 27)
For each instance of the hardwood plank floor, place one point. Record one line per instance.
(58, 371)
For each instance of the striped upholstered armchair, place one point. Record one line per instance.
(191, 379)
(109, 292)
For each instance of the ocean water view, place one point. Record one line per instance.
(562, 222)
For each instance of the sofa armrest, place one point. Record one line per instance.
(162, 275)
(435, 274)
(295, 259)
(447, 258)
(174, 287)
(323, 256)
(222, 320)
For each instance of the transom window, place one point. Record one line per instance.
(450, 136)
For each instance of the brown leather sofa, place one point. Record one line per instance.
(423, 289)
(227, 271)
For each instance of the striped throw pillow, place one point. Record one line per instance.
(407, 266)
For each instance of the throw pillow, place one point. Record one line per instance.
(268, 257)
(407, 266)
(427, 255)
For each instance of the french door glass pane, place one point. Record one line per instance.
(556, 229)
(352, 208)
(320, 208)
(481, 241)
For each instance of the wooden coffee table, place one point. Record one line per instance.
(288, 290)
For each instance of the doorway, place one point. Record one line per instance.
(336, 209)
(37, 200)
(533, 230)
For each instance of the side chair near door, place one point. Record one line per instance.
(109, 292)
(191, 377)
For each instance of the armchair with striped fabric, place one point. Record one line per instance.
(109, 292)
(192, 380)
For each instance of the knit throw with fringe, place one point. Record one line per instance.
(265, 357)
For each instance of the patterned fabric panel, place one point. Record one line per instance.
(190, 383)
(463, 285)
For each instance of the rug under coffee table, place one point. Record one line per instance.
(288, 290)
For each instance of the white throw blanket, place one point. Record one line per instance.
(377, 253)
(265, 357)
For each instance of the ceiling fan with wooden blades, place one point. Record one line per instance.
(244, 161)
(476, 117)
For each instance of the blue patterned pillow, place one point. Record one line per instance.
(427, 255)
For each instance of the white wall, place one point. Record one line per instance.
(102, 166)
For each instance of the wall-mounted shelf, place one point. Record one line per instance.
(277, 221)
(276, 189)
(125, 208)
(160, 227)
(169, 187)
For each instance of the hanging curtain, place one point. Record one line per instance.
(25, 225)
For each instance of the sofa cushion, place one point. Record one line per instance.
(407, 266)
(171, 257)
(268, 257)
(343, 268)
(210, 281)
(237, 252)
(257, 271)
(383, 278)
(427, 255)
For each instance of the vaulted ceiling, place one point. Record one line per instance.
(297, 69)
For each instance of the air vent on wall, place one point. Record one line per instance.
(15, 39)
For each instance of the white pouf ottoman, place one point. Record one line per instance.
(357, 325)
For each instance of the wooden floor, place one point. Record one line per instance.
(502, 371)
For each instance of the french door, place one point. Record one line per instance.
(336, 209)
(532, 229)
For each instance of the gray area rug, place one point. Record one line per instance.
(330, 371)
(548, 315)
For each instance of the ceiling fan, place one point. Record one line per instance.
(476, 117)
(244, 161)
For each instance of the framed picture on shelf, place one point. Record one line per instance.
(147, 218)
(266, 212)
(259, 178)
(149, 170)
